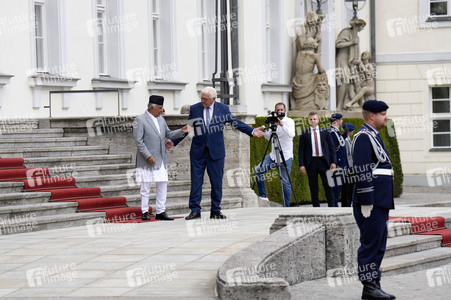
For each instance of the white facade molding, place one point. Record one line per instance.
(4, 80)
(175, 86)
(413, 58)
(284, 89)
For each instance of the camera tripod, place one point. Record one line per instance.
(280, 161)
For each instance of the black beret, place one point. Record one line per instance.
(375, 106)
(335, 116)
(155, 99)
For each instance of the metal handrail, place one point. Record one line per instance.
(83, 91)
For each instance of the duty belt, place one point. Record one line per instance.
(386, 172)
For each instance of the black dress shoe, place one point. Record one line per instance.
(145, 216)
(193, 215)
(371, 291)
(378, 283)
(217, 215)
(163, 216)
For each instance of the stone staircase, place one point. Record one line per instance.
(407, 252)
(92, 166)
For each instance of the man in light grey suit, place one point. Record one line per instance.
(150, 133)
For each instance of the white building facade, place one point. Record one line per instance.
(167, 47)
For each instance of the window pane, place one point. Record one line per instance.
(442, 140)
(440, 92)
(442, 126)
(439, 8)
(440, 107)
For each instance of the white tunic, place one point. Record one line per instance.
(146, 175)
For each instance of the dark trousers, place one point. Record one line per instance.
(319, 166)
(346, 194)
(373, 241)
(215, 171)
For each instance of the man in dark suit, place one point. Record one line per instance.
(316, 156)
(208, 150)
(373, 197)
(336, 121)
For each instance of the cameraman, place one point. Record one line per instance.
(285, 132)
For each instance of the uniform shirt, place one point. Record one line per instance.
(286, 134)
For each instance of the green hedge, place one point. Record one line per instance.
(300, 182)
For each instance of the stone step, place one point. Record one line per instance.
(399, 229)
(133, 190)
(14, 213)
(411, 243)
(86, 171)
(33, 133)
(20, 143)
(17, 125)
(53, 222)
(8, 199)
(104, 180)
(54, 151)
(76, 160)
(416, 261)
(11, 187)
(177, 206)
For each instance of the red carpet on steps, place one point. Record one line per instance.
(427, 226)
(64, 189)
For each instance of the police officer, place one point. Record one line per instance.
(336, 121)
(348, 183)
(373, 197)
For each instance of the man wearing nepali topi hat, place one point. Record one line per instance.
(150, 133)
(373, 197)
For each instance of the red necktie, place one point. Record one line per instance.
(316, 143)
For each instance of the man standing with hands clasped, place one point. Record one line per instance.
(316, 156)
(150, 133)
(373, 197)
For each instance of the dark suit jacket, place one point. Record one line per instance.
(212, 136)
(305, 147)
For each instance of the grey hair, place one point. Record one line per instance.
(210, 91)
(150, 105)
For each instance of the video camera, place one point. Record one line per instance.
(274, 117)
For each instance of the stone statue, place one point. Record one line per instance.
(364, 84)
(347, 61)
(310, 89)
(310, 29)
(305, 80)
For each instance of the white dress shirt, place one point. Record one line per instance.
(286, 134)
(316, 131)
